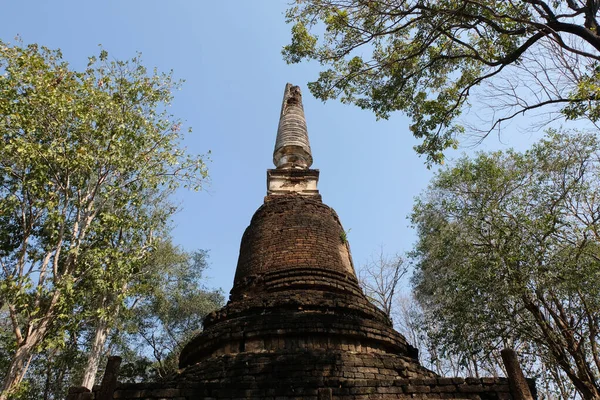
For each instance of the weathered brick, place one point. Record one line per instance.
(298, 327)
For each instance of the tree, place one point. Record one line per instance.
(51, 372)
(433, 59)
(165, 305)
(380, 279)
(508, 255)
(422, 332)
(87, 162)
(171, 308)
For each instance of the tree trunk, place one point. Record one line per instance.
(91, 368)
(519, 386)
(20, 360)
(17, 369)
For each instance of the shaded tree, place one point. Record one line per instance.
(171, 308)
(508, 256)
(423, 333)
(87, 160)
(165, 306)
(433, 59)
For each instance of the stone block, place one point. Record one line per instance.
(324, 394)
(466, 388)
(417, 389)
(443, 389)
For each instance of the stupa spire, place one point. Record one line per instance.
(292, 155)
(292, 149)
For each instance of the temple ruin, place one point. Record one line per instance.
(297, 325)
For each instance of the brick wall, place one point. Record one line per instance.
(297, 326)
(290, 231)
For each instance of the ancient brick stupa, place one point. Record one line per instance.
(297, 325)
(296, 317)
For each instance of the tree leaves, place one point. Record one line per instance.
(88, 160)
(433, 60)
(508, 253)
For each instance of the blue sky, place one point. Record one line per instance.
(229, 53)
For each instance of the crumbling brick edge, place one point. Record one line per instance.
(427, 388)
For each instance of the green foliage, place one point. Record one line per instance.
(428, 58)
(169, 310)
(344, 236)
(52, 372)
(87, 162)
(164, 308)
(508, 255)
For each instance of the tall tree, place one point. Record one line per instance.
(86, 165)
(429, 57)
(508, 254)
(421, 331)
(165, 305)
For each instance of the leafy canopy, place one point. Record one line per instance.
(508, 255)
(88, 160)
(170, 308)
(428, 58)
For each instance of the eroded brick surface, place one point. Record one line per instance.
(308, 375)
(297, 326)
(295, 288)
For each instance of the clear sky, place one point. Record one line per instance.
(229, 53)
